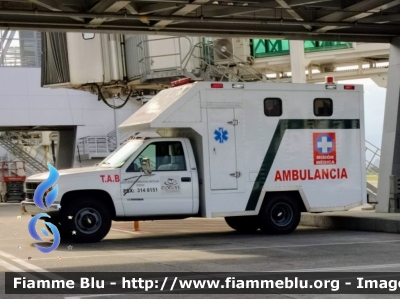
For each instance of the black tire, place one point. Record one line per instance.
(245, 224)
(279, 215)
(90, 221)
(56, 221)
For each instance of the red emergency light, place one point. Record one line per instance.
(330, 80)
(349, 87)
(181, 82)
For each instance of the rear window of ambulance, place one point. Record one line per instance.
(323, 107)
(273, 107)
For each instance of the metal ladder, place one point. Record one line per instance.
(14, 148)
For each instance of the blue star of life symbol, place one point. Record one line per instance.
(324, 144)
(221, 135)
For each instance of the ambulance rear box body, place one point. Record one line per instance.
(257, 154)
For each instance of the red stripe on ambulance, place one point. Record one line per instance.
(310, 175)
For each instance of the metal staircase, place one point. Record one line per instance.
(372, 153)
(197, 62)
(112, 141)
(14, 144)
(234, 69)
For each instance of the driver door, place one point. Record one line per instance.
(167, 191)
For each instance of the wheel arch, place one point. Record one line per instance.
(69, 197)
(292, 194)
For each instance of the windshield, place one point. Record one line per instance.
(121, 154)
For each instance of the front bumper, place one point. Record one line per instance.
(29, 208)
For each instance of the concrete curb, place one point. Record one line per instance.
(361, 221)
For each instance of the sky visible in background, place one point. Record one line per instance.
(374, 108)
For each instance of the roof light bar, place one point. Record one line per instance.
(330, 82)
(181, 82)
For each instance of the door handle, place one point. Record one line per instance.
(186, 179)
(236, 174)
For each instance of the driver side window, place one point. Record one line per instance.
(163, 156)
(149, 152)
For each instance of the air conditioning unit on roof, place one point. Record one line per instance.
(230, 51)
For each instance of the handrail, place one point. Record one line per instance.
(375, 153)
(139, 45)
(258, 75)
(84, 143)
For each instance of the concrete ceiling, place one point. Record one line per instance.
(337, 20)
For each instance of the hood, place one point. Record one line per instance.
(65, 172)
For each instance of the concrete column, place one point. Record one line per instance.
(66, 148)
(390, 159)
(297, 61)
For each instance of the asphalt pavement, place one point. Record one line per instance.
(197, 245)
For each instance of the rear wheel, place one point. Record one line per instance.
(279, 215)
(86, 220)
(243, 223)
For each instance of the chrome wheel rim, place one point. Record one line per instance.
(88, 220)
(281, 214)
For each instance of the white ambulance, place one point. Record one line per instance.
(257, 154)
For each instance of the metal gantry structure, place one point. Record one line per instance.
(322, 20)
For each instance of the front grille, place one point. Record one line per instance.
(30, 190)
(31, 185)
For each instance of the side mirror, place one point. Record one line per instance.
(146, 166)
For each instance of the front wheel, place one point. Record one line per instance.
(56, 222)
(86, 220)
(243, 223)
(279, 215)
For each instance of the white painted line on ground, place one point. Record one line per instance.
(30, 266)
(341, 268)
(303, 245)
(15, 269)
(94, 255)
(22, 262)
(10, 267)
(91, 296)
(125, 231)
(147, 251)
